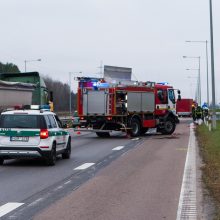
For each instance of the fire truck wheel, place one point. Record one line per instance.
(135, 127)
(169, 126)
(103, 134)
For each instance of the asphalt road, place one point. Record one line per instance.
(120, 178)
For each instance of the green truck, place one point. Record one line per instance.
(23, 88)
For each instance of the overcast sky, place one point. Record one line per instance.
(146, 35)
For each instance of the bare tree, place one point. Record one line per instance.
(61, 92)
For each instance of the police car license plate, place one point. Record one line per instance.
(24, 139)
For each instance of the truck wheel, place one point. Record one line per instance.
(103, 134)
(169, 126)
(135, 127)
(143, 130)
(67, 153)
(51, 159)
(1, 161)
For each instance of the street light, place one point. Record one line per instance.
(197, 95)
(207, 64)
(212, 67)
(28, 61)
(199, 79)
(70, 83)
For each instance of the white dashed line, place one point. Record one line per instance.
(135, 139)
(67, 182)
(8, 207)
(84, 166)
(187, 202)
(118, 148)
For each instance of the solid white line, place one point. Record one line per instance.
(8, 207)
(84, 166)
(187, 201)
(118, 148)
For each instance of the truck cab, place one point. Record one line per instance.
(165, 100)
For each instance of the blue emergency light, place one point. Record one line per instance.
(163, 83)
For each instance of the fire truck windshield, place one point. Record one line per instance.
(171, 95)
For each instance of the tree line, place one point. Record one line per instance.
(61, 95)
(8, 68)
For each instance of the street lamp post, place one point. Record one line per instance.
(199, 75)
(197, 94)
(207, 64)
(212, 68)
(28, 61)
(70, 93)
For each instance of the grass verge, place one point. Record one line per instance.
(209, 144)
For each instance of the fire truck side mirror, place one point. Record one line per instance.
(179, 96)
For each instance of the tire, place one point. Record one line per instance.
(1, 161)
(67, 153)
(51, 159)
(103, 134)
(169, 126)
(135, 127)
(144, 130)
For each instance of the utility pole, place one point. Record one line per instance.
(212, 68)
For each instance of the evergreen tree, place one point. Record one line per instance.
(9, 68)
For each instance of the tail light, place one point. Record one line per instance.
(44, 134)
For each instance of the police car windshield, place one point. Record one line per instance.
(20, 121)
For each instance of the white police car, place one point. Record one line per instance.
(33, 134)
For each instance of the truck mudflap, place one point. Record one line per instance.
(177, 119)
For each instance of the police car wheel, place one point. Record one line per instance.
(67, 153)
(51, 159)
(1, 161)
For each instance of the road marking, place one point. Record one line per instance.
(182, 149)
(84, 166)
(67, 182)
(187, 201)
(118, 148)
(34, 203)
(135, 139)
(8, 207)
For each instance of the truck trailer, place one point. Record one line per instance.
(184, 107)
(129, 106)
(23, 89)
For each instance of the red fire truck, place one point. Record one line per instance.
(131, 106)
